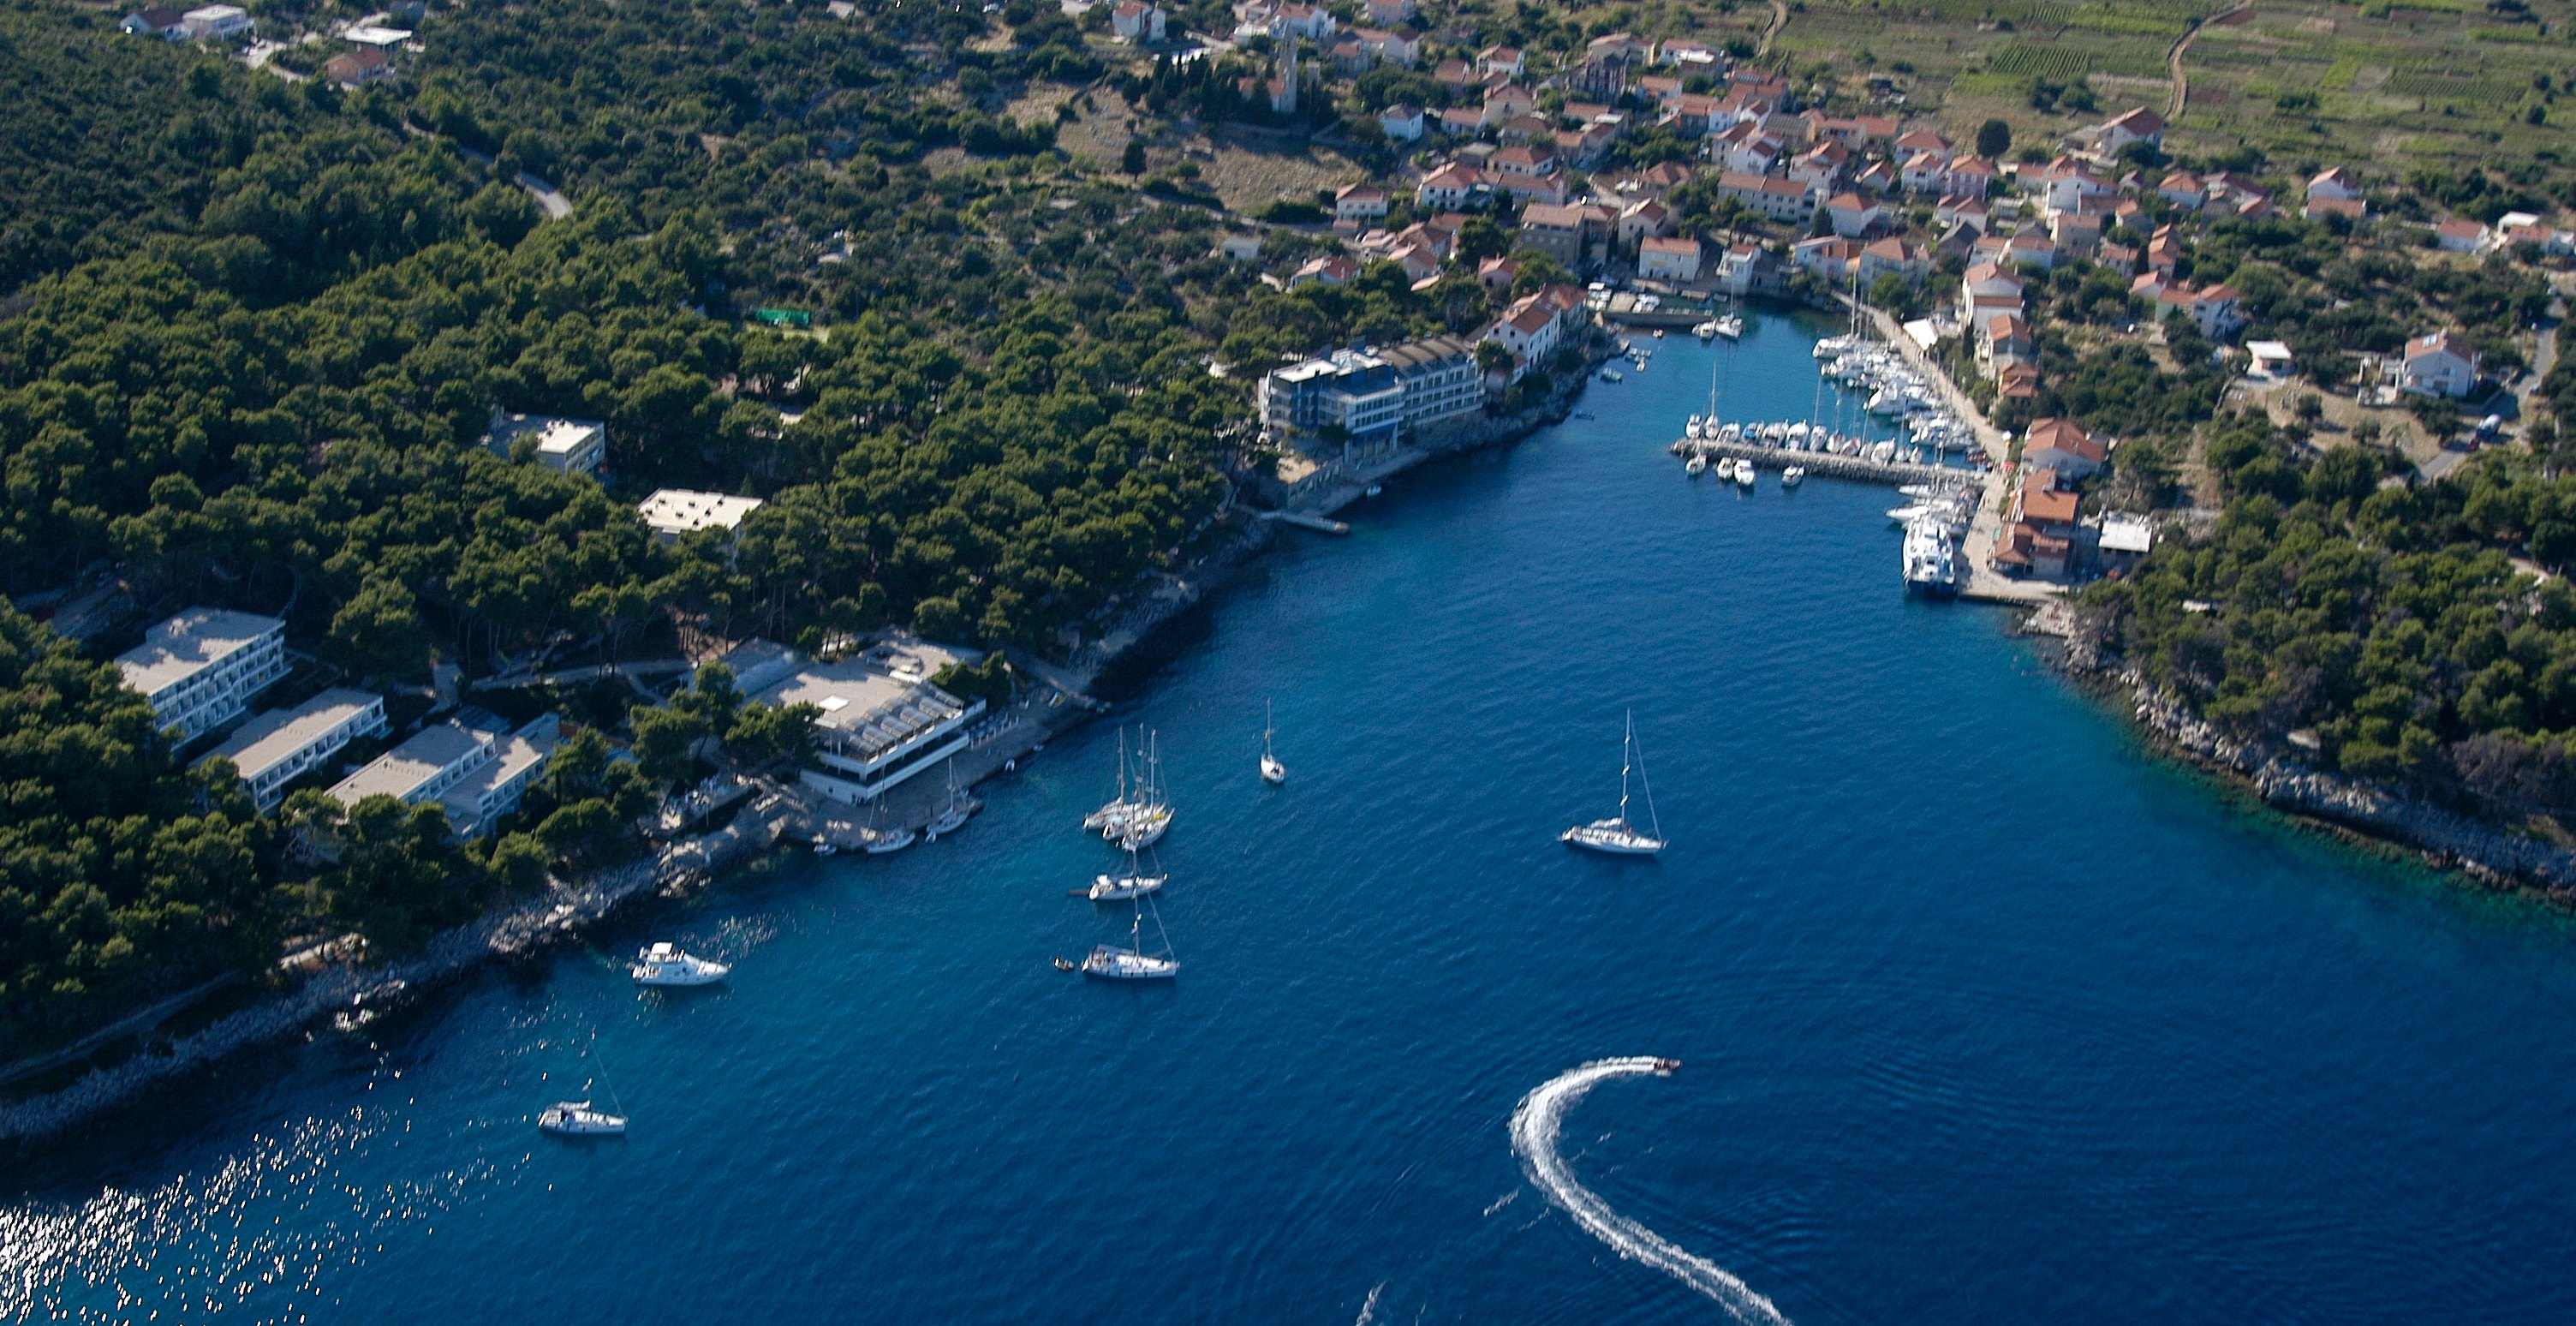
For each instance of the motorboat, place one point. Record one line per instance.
(1613, 375)
(1743, 473)
(1731, 326)
(1667, 1067)
(1697, 465)
(576, 1118)
(1706, 331)
(1930, 560)
(1793, 476)
(665, 964)
(824, 846)
(1615, 835)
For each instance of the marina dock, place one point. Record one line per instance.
(1826, 463)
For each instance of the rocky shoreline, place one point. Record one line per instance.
(567, 910)
(2446, 840)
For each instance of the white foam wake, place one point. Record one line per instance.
(1535, 1124)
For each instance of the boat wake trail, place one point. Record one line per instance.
(1535, 1124)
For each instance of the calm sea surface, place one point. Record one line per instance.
(1986, 1018)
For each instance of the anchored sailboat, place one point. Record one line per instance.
(1150, 810)
(1272, 771)
(578, 1118)
(952, 812)
(1616, 835)
(1133, 882)
(1113, 816)
(1132, 963)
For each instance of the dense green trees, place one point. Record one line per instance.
(121, 875)
(2391, 621)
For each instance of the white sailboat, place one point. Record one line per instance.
(580, 1118)
(1793, 476)
(1130, 883)
(953, 812)
(1132, 963)
(1272, 771)
(1697, 465)
(1112, 816)
(880, 842)
(1150, 811)
(1616, 835)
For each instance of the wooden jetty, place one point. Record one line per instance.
(1861, 468)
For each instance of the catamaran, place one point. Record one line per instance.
(1272, 771)
(1132, 963)
(664, 964)
(1616, 835)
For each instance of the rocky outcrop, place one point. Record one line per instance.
(2478, 849)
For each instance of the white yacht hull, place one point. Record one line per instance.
(1120, 888)
(1122, 964)
(1611, 838)
(575, 1118)
(896, 841)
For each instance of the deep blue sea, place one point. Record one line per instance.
(1986, 1015)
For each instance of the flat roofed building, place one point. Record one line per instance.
(279, 746)
(216, 22)
(200, 668)
(881, 722)
(476, 777)
(569, 446)
(672, 512)
(1440, 379)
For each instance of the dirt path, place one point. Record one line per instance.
(2173, 58)
(1779, 20)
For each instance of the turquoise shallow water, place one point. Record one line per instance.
(1985, 1016)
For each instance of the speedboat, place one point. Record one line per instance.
(1111, 963)
(1792, 476)
(1120, 888)
(1667, 1067)
(664, 964)
(1613, 375)
(575, 1118)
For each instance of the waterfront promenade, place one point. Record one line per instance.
(1977, 550)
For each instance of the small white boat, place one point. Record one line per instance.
(1744, 473)
(1659, 333)
(665, 965)
(1706, 331)
(1612, 375)
(823, 846)
(882, 843)
(575, 1118)
(1793, 476)
(1615, 835)
(1697, 465)
(1731, 326)
(1272, 771)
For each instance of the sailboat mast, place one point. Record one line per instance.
(1626, 742)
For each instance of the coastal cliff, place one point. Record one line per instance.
(2493, 856)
